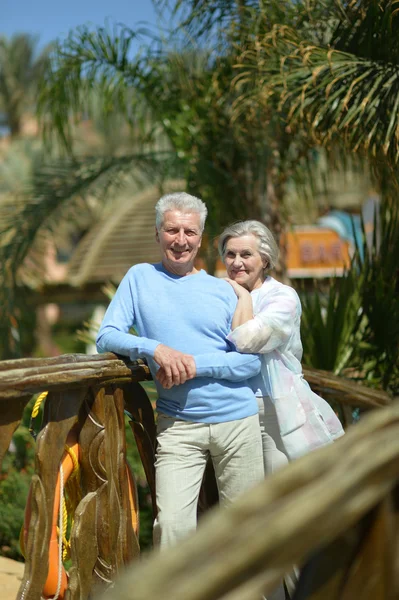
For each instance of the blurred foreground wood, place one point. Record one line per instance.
(334, 511)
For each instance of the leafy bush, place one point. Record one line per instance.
(15, 476)
(353, 328)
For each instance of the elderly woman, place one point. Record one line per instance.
(293, 419)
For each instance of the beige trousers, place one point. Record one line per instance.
(183, 448)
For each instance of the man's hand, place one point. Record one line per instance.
(175, 367)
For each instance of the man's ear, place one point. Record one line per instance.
(156, 235)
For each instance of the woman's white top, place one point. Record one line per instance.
(306, 421)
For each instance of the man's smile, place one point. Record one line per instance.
(179, 252)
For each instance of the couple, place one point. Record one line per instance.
(210, 345)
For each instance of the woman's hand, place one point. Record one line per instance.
(240, 291)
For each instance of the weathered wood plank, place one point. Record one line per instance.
(125, 546)
(358, 564)
(24, 363)
(83, 545)
(61, 414)
(103, 466)
(345, 390)
(10, 418)
(18, 381)
(7, 377)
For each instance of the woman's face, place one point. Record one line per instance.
(243, 262)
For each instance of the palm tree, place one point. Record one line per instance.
(187, 98)
(345, 88)
(239, 167)
(20, 70)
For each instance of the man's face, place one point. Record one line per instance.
(180, 240)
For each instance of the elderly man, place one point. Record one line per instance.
(206, 407)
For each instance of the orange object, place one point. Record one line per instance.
(51, 585)
(314, 251)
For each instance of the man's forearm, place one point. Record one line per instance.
(231, 366)
(112, 340)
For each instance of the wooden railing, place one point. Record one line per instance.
(334, 512)
(87, 396)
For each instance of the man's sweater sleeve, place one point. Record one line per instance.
(114, 333)
(232, 366)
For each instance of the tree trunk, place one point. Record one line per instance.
(272, 218)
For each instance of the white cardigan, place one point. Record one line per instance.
(306, 421)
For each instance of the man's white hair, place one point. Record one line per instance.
(180, 201)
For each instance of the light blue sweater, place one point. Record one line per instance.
(192, 314)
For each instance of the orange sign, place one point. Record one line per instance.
(315, 252)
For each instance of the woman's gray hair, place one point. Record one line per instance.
(180, 201)
(267, 245)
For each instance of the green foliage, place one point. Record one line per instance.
(328, 322)
(20, 70)
(354, 326)
(340, 87)
(18, 331)
(202, 18)
(92, 60)
(378, 352)
(370, 30)
(336, 83)
(13, 493)
(15, 476)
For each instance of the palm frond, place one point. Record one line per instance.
(98, 61)
(330, 322)
(337, 95)
(369, 29)
(20, 70)
(379, 356)
(218, 20)
(344, 89)
(202, 17)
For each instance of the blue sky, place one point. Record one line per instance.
(50, 19)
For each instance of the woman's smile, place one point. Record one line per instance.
(243, 261)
